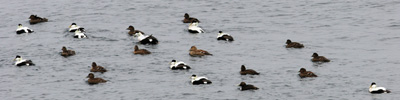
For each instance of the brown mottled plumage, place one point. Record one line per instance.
(189, 19)
(66, 52)
(132, 30)
(245, 71)
(197, 52)
(35, 19)
(93, 80)
(317, 58)
(96, 68)
(140, 51)
(245, 86)
(291, 44)
(304, 73)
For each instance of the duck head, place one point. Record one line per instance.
(90, 76)
(193, 48)
(288, 41)
(136, 48)
(186, 16)
(242, 84)
(373, 85)
(314, 55)
(64, 49)
(302, 70)
(17, 58)
(130, 28)
(243, 68)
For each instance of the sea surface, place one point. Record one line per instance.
(361, 37)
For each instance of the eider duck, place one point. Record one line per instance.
(21, 62)
(317, 58)
(73, 27)
(93, 80)
(189, 19)
(96, 68)
(290, 44)
(132, 30)
(35, 19)
(224, 36)
(140, 51)
(245, 71)
(178, 65)
(197, 52)
(146, 39)
(200, 80)
(194, 27)
(66, 52)
(304, 73)
(21, 29)
(374, 89)
(79, 34)
(244, 86)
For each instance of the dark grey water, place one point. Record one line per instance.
(360, 37)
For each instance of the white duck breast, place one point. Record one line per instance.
(73, 28)
(200, 80)
(22, 29)
(22, 62)
(374, 89)
(194, 28)
(79, 34)
(222, 34)
(179, 65)
(146, 39)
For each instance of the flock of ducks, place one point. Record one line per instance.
(174, 65)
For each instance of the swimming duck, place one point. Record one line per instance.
(35, 19)
(194, 27)
(374, 89)
(140, 51)
(224, 36)
(21, 62)
(245, 71)
(96, 68)
(93, 80)
(197, 52)
(73, 27)
(21, 29)
(245, 86)
(189, 19)
(79, 34)
(178, 65)
(290, 44)
(304, 73)
(146, 39)
(200, 80)
(132, 30)
(317, 58)
(66, 52)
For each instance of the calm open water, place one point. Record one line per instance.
(361, 37)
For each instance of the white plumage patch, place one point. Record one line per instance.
(373, 88)
(195, 27)
(26, 29)
(74, 27)
(79, 34)
(222, 34)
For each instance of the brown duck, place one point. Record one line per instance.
(245, 86)
(140, 51)
(197, 52)
(290, 44)
(35, 19)
(93, 80)
(245, 71)
(132, 30)
(317, 58)
(189, 19)
(96, 68)
(66, 52)
(304, 73)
